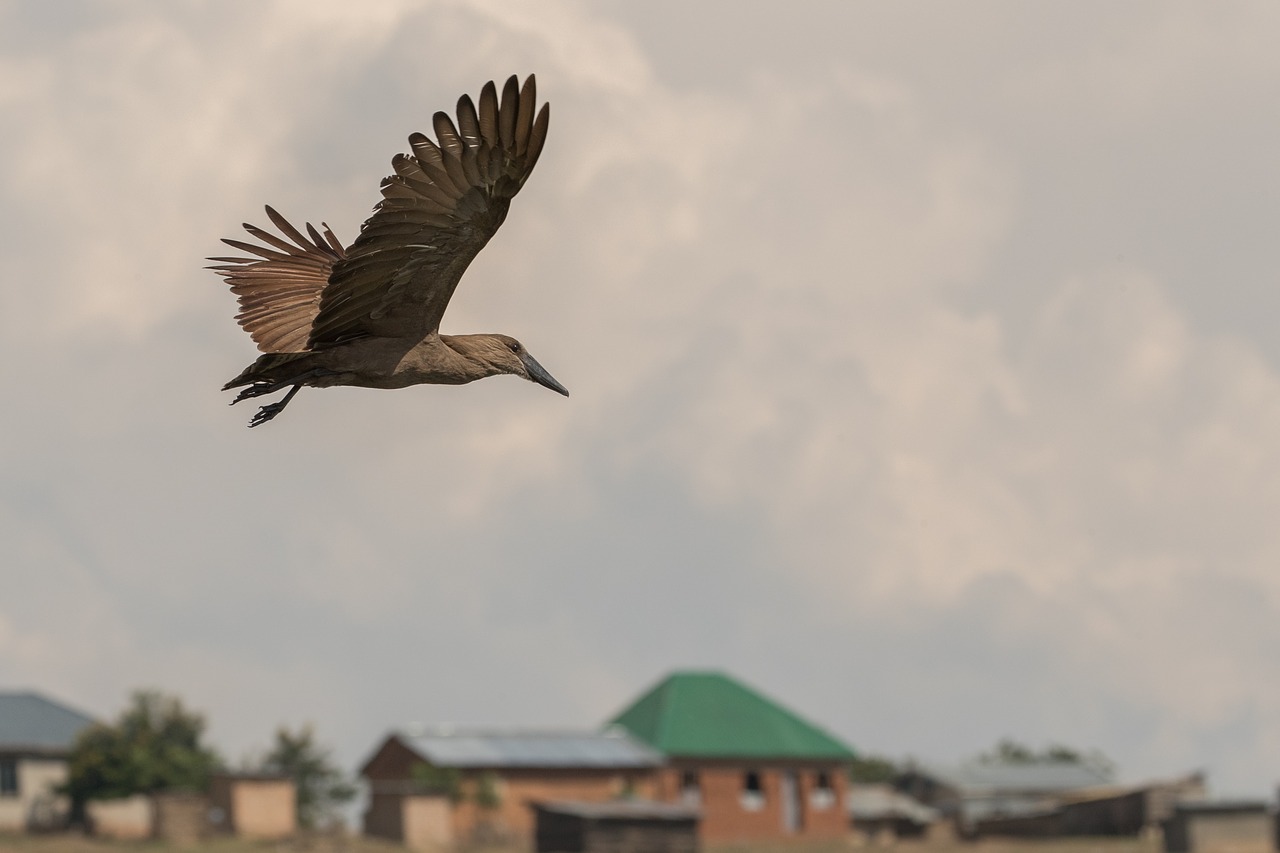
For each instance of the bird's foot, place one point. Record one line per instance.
(266, 413)
(270, 410)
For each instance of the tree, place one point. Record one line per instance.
(486, 792)
(871, 769)
(438, 780)
(321, 786)
(153, 746)
(1009, 751)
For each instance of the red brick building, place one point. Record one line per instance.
(756, 770)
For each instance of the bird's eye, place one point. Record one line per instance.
(515, 346)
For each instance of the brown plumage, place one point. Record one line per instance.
(369, 314)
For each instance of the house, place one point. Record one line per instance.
(256, 806)
(756, 770)
(1220, 826)
(980, 792)
(36, 736)
(439, 786)
(637, 826)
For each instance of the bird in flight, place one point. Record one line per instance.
(369, 314)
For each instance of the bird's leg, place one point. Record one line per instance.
(270, 410)
(270, 386)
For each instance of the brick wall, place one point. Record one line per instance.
(728, 816)
(516, 789)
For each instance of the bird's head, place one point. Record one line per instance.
(509, 356)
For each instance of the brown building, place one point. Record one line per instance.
(754, 769)
(443, 786)
(257, 806)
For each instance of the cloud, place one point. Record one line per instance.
(864, 407)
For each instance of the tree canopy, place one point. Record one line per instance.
(867, 769)
(1010, 751)
(153, 746)
(321, 785)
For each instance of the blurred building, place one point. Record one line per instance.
(1047, 799)
(880, 811)
(640, 826)
(756, 770)
(36, 736)
(442, 786)
(255, 806)
(979, 791)
(1221, 826)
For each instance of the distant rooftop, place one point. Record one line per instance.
(479, 748)
(710, 715)
(30, 722)
(977, 778)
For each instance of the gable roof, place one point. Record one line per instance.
(31, 723)
(481, 748)
(710, 715)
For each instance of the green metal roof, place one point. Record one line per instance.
(709, 715)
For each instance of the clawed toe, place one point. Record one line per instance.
(266, 413)
(257, 389)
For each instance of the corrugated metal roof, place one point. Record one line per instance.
(710, 715)
(883, 802)
(976, 778)
(29, 721)
(479, 748)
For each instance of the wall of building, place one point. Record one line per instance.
(384, 816)
(517, 788)
(391, 768)
(1231, 833)
(255, 807)
(426, 822)
(180, 817)
(128, 819)
(36, 801)
(728, 816)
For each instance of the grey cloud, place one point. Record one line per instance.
(924, 381)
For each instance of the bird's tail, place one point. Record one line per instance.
(274, 367)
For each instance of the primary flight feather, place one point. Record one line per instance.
(369, 314)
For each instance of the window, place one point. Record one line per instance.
(822, 795)
(752, 797)
(690, 791)
(8, 777)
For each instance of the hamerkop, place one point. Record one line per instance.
(369, 314)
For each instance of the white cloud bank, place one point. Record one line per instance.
(832, 427)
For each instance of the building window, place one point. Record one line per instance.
(8, 777)
(822, 795)
(752, 791)
(690, 790)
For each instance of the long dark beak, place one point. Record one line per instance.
(538, 374)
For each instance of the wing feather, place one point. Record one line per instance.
(438, 210)
(279, 287)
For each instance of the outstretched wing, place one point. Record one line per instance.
(438, 211)
(279, 289)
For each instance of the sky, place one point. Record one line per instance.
(922, 361)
